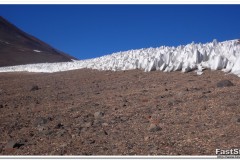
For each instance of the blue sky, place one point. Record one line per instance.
(88, 31)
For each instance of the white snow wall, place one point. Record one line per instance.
(215, 56)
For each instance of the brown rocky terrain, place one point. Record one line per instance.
(90, 112)
(18, 47)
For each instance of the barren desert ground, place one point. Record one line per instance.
(90, 112)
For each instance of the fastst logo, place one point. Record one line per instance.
(235, 151)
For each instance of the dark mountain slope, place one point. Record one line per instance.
(18, 47)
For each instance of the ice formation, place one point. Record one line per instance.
(216, 55)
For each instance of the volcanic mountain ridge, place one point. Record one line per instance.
(18, 47)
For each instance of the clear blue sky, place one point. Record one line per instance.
(87, 31)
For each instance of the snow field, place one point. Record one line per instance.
(216, 55)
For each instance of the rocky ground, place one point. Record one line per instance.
(89, 112)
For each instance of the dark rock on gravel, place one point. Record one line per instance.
(61, 132)
(90, 141)
(34, 88)
(238, 120)
(59, 126)
(88, 124)
(98, 115)
(10, 144)
(154, 128)
(97, 122)
(225, 83)
(39, 121)
(14, 144)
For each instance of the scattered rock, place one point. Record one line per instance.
(205, 92)
(63, 145)
(61, 132)
(14, 144)
(41, 128)
(88, 118)
(225, 83)
(154, 128)
(203, 96)
(40, 121)
(49, 132)
(82, 129)
(124, 118)
(105, 124)
(204, 107)
(97, 122)
(180, 94)
(59, 126)
(105, 132)
(90, 141)
(31, 134)
(238, 120)
(10, 144)
(113, 121)
(119, 119)
(146, 138)
(37, 102)
(129, 145)
(3, 105)
(173, 102)
(145, 100)
(50, 118)
(195, 89)
(1, 148)
(88, 124)
(34, 88)
(98, 115)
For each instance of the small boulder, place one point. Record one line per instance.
(88, 124)
(153, 128)
(97, 122)
(238, 120)
(59, 126)
(104, 124)
(14, 144)
(146, 138)
(61, 132)
(98, 115)
(224, 83)
(10, 144)
(34, 88)
(40, 121)
(90, 141)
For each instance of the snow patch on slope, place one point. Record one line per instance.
(35, 50)
(216, 55)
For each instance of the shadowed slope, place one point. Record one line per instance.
(18, 47)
